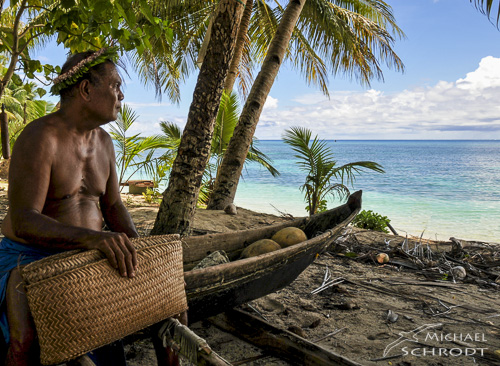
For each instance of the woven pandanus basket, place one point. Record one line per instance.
(79, 302)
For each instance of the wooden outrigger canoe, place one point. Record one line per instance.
(213, 290)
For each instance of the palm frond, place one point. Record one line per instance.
(486, 7)
(257, 156)
(324, 178)
(226, 121)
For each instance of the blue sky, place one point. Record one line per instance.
(449, 90)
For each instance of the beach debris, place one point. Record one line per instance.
(297, 330)
(459, 273)
(407, 317)
(497, 353)
(392, 229)
(213, 259)
(253, 308)
(456, 247)
(289, 236)
(230, 209)
(307, 306)
(382, 258)
(283, 214)
(331, 334)
(392, 317)
(260, 247)
(344, 305)
(347, 305)
(327, 282)
(315, 324)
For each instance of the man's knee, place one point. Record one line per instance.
(22, 343)
(21, 327)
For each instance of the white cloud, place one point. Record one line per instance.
(135, 105)
(271, 103)
(466, 108)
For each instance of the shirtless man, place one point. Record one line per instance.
(63, 186)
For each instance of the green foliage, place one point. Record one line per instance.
(353, 38)
(227, 118)
(79, 26)
(324, 178)
(152, 195)
(22, 105)
(134, 152)
(322, 206)
(371, 221)
(71, 77)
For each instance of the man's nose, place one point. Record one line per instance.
(121, 96)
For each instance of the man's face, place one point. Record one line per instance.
(108, 94)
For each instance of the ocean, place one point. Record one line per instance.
(436, 189)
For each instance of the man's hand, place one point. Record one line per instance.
(118, 249)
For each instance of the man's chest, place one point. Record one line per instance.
(79, 171)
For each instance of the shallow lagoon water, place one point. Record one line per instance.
(438, 188)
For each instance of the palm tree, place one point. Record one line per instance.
(331, 36)
(372, 43)
(232, 163)
(227, 118)
(324, 178)
(179, 200)
(346, 38)
(133, 153)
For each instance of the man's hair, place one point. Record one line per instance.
(93, 75)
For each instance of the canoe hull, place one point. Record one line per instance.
(213, 290)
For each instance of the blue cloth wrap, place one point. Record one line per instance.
(13, 254)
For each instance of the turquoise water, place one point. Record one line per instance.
(440, 188)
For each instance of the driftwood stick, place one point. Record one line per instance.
(249, 359)
(329, 335)
(279, 342)
(392, 229)
(188, 344)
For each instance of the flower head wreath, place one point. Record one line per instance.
(72, 76)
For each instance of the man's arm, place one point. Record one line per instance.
(29, 179)
(115, 213)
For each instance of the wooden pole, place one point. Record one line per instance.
(279, 342)
(4, 126)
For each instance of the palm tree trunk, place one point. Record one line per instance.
(237, 150)
(240, 45)
(4, 127)
(179, 200)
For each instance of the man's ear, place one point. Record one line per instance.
(84, 90)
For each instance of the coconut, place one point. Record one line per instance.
(260, 247)
(289, 236)
(459, 272)
(382, 258)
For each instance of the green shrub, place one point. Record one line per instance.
(152, 196)
(372, 221)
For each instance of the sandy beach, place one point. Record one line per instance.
(366, 312)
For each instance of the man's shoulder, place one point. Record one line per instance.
(103, 135)
(41, 127)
